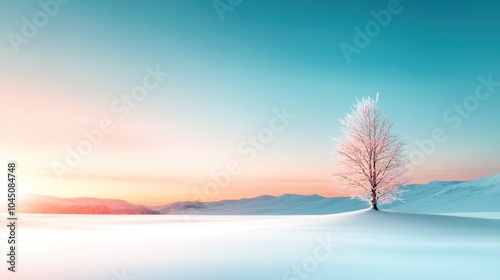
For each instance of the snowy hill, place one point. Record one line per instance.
(481, 195)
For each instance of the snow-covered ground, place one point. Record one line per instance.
(460, 240)
(364, 244)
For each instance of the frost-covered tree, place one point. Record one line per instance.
(371, 160)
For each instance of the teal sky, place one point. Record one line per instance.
(227, 76)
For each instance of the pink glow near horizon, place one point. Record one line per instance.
(47, 122)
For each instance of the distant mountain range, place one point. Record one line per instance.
(82, 205)
(481, 195)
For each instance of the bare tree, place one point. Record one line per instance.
(372, 163)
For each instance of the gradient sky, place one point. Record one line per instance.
(226, 78)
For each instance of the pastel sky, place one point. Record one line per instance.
(226, 79)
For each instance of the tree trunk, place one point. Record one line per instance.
(374, 198)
